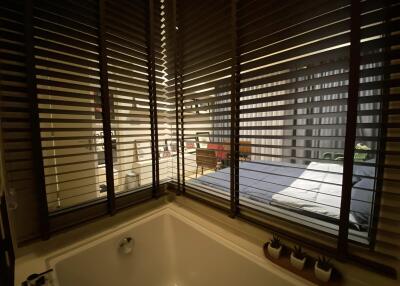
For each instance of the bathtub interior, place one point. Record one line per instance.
(167, 250)
(102, 263)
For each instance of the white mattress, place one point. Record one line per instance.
(315, 188)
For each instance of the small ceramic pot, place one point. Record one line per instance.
(321, 274)
(274, 252)
(296, 262)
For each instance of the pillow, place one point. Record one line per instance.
(360, 171)
(361, 201)
(327, 167)
(219, 150)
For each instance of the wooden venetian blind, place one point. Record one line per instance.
(165, 111)
(294, 94)
(382, 44)
(16, 118)
(294, 61)
(84, 105)
(93, 71)
(128, 60)
(169, 51)
(203, 51)
(296, 67)
(68, 86)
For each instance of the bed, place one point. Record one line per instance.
(314, 190)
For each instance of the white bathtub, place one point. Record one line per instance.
(169, 250)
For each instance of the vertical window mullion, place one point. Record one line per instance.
(181, 110)
(154, 94)
(351, 124)
(235, 97)
(176, 89)
(40, 183)
(150, 87)
(180, 95)
(152, 97)
(105, 103)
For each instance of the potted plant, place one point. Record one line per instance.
(298, 258)
(323, 269)
(275, 247)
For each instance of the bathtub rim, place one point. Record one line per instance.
(186, 216)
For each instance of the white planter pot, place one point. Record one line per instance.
(297, 263)
(322, 274)
(274, 252)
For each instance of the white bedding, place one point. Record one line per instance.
(321, 196)
(324, 196)
(316, 188)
